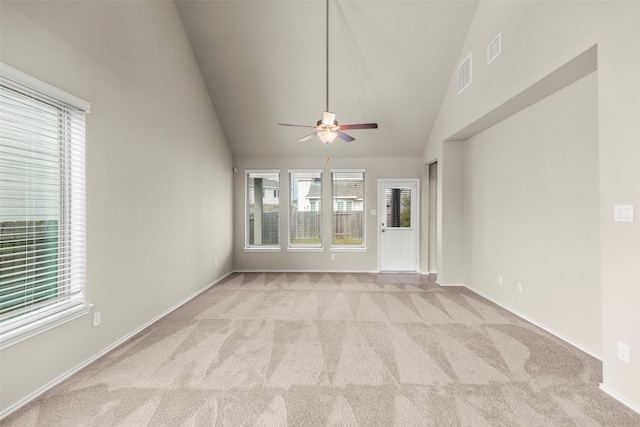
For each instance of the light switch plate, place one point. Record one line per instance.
(623, 213)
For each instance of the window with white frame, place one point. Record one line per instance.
(305, 212)
(42, 206)
(262, 209)
(347, 188)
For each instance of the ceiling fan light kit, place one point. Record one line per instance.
(328, 128)
(327, 136)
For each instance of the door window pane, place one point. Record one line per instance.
(398, 207)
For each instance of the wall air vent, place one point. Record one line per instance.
(464, 74)
(494, 48)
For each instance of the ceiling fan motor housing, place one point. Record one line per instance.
(328, 118)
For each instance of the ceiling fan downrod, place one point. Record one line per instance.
(328, 129)
(327, 55)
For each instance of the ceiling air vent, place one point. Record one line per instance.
(493, 49)
(464, 74)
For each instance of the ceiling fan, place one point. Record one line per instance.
(328, 128)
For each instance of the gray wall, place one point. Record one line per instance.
(394, 168)
(531, 213)
(539, 38)
(159, 180)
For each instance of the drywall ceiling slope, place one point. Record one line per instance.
(264, 62)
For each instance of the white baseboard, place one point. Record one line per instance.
(620, 398)
(539, 325)
(444, 284)
(106, 350)
(307, 271)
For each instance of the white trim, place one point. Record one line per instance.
(444, 285)
(101, 353)
(305, 249)
(263, 249)
(44, 324)
(346, 248)
(262, 270)
(45, 88)
(539, 325)
(620, 398)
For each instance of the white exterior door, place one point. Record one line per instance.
(398, 222)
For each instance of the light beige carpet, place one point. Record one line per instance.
(335, 350)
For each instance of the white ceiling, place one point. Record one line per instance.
(264, 62)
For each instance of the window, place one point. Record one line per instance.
(398, 201)
(263, 210)
(305, 213)
(347, 188)
(42, 206)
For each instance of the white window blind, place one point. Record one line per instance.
(348, 208)
(305, 213)
(42, 209)
(398, 202)
(263, 209)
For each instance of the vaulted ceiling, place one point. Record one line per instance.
(264, 62)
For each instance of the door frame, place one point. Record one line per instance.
(415, 217)
(432, 217)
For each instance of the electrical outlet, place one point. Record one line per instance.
(97, 318)
(333, 257)
(500, 280)
(519, 287)
(215, 263)
(623, 352)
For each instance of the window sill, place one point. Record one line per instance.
(262, 249)
(32, 329)
(303, 249)
(348, 249)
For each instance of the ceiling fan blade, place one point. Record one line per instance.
(343, 136)
(308, 137)
(360, 126)
(298, 126)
